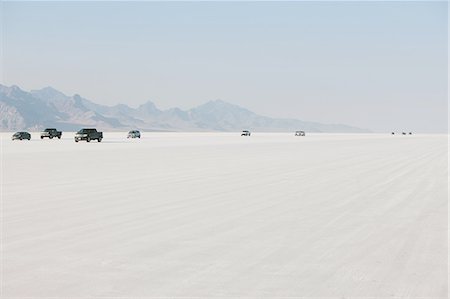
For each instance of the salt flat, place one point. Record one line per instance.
(219, 215)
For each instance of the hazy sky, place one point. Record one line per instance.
(376, 65)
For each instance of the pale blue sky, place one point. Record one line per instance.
(377, 65)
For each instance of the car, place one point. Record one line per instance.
(88, 135)
(134, 134)
(50, 133)
(246, 133)
(21, 136)
(299, 133)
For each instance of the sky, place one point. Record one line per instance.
(376, 65)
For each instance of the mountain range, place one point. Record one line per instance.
(47, 107)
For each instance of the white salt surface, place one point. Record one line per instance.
(219, 215)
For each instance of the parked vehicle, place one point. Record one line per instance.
(393, 133)
(299, 133)
(246, 133)
(21, 136)
(50, 133)
(88, 135)
(134, 134)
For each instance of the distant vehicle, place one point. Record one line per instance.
(410, 133)
(393, 133)
(403, 133)
(134, 134)
(246, 133)
(88, 135)
(21, 136)
(299, 133)
(50, 133)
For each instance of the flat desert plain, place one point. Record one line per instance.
(220, 215)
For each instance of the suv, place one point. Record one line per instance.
(134, 134)
(21, 135)
(50, 133)
(88, 135)
(246, 133)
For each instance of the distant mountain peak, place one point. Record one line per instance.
(4, 88)
(49, 94)
(218, 102)
(215, 103)
(149, 106)
(50, 89)
(220, 108)
(12, 90)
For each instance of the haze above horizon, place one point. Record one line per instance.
(376, 65)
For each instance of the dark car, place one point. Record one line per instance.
(21, 136)
(88, 135)
(134, 134)
(246, 133)
(50, 133)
